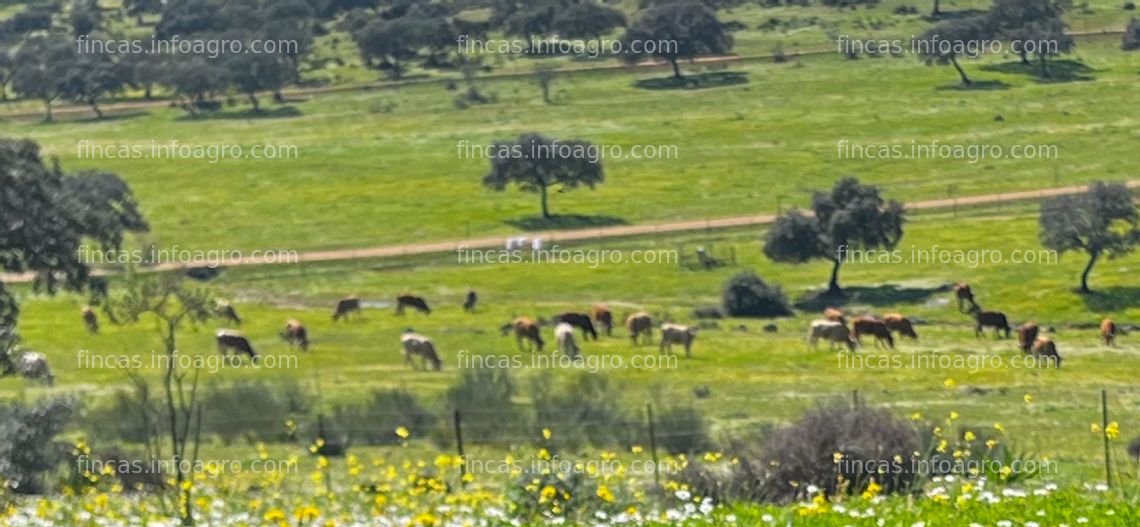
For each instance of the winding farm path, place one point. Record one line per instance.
(551, 237)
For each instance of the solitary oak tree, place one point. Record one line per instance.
(675, 31)
(535, 163)
(1100, 222)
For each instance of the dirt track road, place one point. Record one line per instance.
(551, 237)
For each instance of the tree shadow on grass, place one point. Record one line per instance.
(282, 112)
(1117, 298)
(952, 15)
(1058, 70)
(984, 85)
(878, 296)
(712, 79)
(565, 222)
(109, 117)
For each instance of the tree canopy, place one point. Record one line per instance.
(535, 163)
(676, 31)
(1100, 222)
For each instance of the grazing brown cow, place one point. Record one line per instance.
(677, 334)
(964, 294)
(638, 324)
(227, 312)
(834, 315)
(412, 301)
(1108, 332)
(346, 306)
(580, 321)
(604, 318)
(872, 326)
(991, 319)
(1027, 335)
(232, 340)
(900, 324)
(416, 344)
(469, 303)
(525, 329)
(296, 334)
(1045, 347)
(90, 319)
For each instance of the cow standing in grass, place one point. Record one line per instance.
(90, 319)
(1027, 335)
(1045, 347)
(345, 307)
(1108, 330)
(296, 334)
(418, 345)
(900, 324)
(964, 295)
(604, 318)
(639, 324)
(834, 315)
(580, 321)
(469, 302)
(30, 365)
(564, 336)
(525, 329)
(990, 319)
(232, 340)
(677, 334)
(832, 331)
(227, 312)
(412, 301)
(865, 325)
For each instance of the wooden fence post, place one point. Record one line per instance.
(459, 449)
(653, 446)
(1104, 432)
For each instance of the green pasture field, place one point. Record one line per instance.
(388, 166)
(756, 378)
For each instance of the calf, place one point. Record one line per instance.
(1045, 347)
(412, 301)
(416, 344)
(1108, 331)
(991, 319)
(346, 306)
(832, 331)
(296, 334)
(900, 324)
(638, 324)
(90, 319)
(564, 336)
(469, 303)
(525, 329)
(581, 321)
(1027, 335)
(231, 340)
(964, 294)
(604, 318)
(226, 311)
(677, 334)
(872, 326)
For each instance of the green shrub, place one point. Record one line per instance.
(746, 295)
(28, 445)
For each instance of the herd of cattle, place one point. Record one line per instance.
(639, 326)
(833, 328)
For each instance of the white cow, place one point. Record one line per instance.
(832, 331)
(677, 334)
(34, 366)
(416, 344)
(564, 335)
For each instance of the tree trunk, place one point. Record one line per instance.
(545, 209)
(965, 80)
(1088, 270)
(936, 10)
(149, 91)
(1044, 69)
(95, 108)
(1024, 57)
(676, 68)
(253, 100)
(833, 285)
(47, 106)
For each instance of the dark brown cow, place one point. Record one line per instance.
(227, 312)
(638, 324)
(834, 315)
(1027, 335)
(232, 340)
(604, 318)
(345, 307)
(580, 321)
(872, 326)
(469, 302)
(1045, 347)
(1108, 331)
(296, 334)
(964, 294)
(90, 319)
(415, 302)
(525, 329)
(991, 319)
(900, 324)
